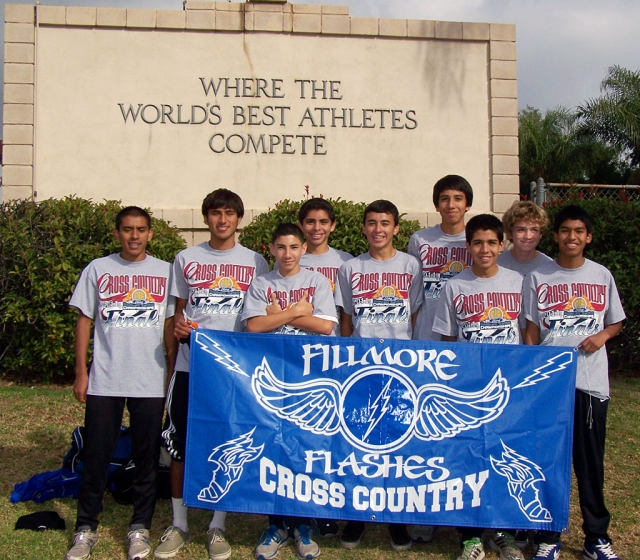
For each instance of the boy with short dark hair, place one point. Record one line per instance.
(126, 295)
(298, 301)
(210, 282)
(524, 225)
(482, 305)
(573, 301)
(441, 249)
(380, 293)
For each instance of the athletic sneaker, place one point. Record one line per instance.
(352, 534)
(139, 546)
(306, 547)
(83, 541)
(504, 543)
(217, 545)
(547, 551)
(400, 539)
(327, 528)
(522, 538)
(422, 533)
(171, 542)
(600, 550)
(270, 542)
(472, 550)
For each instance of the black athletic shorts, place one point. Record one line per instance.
(174, 433)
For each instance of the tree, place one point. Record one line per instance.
(614, 117)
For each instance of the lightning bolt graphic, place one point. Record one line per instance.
(557, 363)
(373, 418)
(210, 346)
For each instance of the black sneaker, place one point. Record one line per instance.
(352, 534)
(400, 539)
(522, 538)
(327, 528)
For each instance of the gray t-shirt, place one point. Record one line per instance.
(442, 257)
(129, 302)
(569, 305)
(506, 260)
(214, 283)
(288, 291)
(380, 296)
(482, 310)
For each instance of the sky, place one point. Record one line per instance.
(564, 46)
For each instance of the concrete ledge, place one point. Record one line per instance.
(476, 31)
(504, 126)
(17, 133)
(17, 154)
(17, 175)
(393, 27)
(111, 17)
(18, 93)
(336, 25)
(18, 113)
(504, 107)
(502, 202)
(230, 21)
(138, 18)
(228, 7)
(19, 52)
(504, 88)
(506, 184)
(448, 30)
(201, 19)
(18, 73)
(503, 32)
(335, 10)
(81, 15)
(503, 70)
(504, 145)
(19, 13)
(276, 8)
(182, 219)
(171, 19)
(421, 29)
(364, 26)
(10, 192)
(20, 32)
(506, 165)
(502, 50)
(306, 8)
(307, 22)
(51, 15)
(268, 21)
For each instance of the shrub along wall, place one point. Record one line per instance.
(43, 248)
(616, 245)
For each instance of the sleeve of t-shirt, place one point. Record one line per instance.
(529, 299)
(262, 267)
(343, 294)
(323, 304)
(179, 286)
(416, 292)
(84, 296)
(445, 321)
(522, 321)
(615, 312)
(255, 302)
(413, 248)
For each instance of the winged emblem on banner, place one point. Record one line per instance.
(379, 408)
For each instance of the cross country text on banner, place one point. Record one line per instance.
(380, 430)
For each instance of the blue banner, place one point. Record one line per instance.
(380, 430)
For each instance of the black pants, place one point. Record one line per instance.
(589, 431)
(102, 420)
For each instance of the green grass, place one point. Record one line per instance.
(35, 430)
